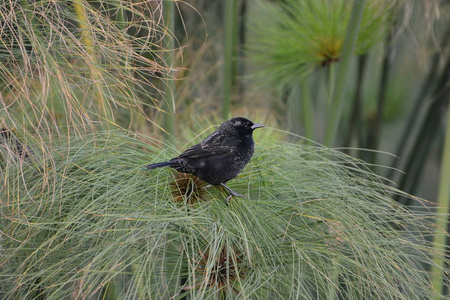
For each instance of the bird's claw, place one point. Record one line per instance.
(232, 193)
(228, 199)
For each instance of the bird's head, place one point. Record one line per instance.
(241, 125)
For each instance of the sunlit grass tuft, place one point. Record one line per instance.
(289, 39)
(90, 222)
(80, 65)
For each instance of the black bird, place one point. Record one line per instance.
(220, 157)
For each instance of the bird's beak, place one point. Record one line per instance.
(256, 125)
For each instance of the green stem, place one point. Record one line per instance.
(419, 104)
(331, 85)
(424, 138)
(343, 71)
(439, 237)
(294, 111)
(121, 15)
(83, 25)
(229, 50)
(307, 110)
(373, 134)
(355, 122)
(169, 100)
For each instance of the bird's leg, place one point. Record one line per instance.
(232, 193)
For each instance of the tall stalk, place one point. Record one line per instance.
(355, 122)
(300, 110)
(169, 90)
(294, 110)
(83, 25)
(307, 110)
(343, 71)
(229, 50)
(427, 132)
(419, 104)
(440, 235)
(374, 128)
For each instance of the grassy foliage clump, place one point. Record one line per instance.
(90, 222)
(75, 63)
(292, 38)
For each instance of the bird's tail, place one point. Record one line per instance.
(158, 165)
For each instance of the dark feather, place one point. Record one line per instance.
(219, 145)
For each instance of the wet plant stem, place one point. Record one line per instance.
(374, 129)
(427, 132)
(342, 74)
(419, 104)
(439, 237)
(307, 110)
(355, 122)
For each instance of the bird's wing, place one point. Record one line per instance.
(215, 144)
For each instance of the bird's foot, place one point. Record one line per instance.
(232, 193)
